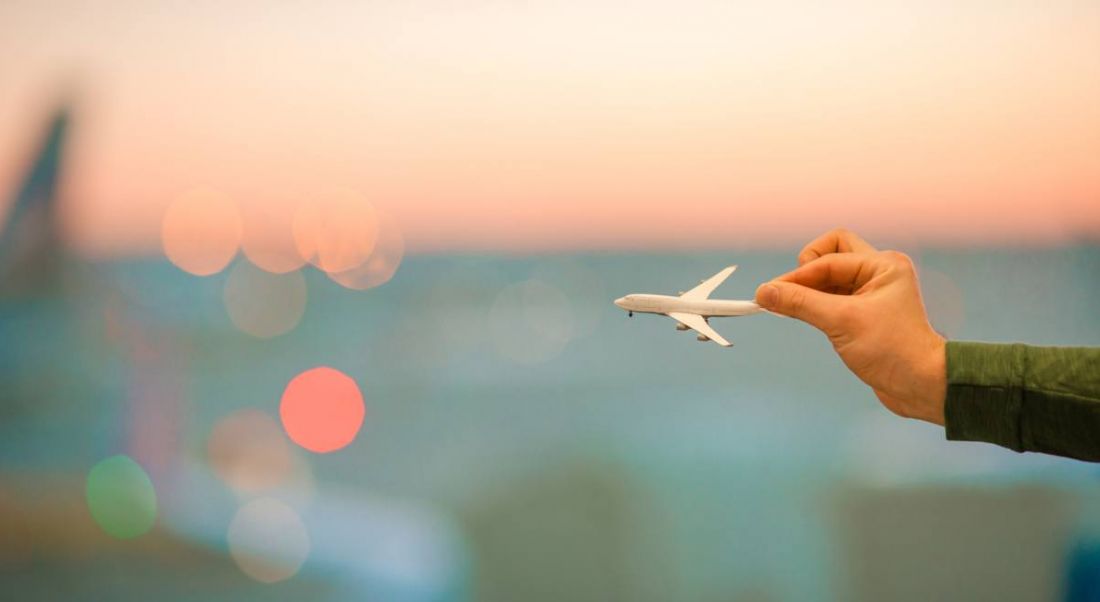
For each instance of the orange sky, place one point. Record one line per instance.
(494, 125)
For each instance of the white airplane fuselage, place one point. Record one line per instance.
(707, 308)
(692, 309)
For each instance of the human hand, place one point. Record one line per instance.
(868, 303)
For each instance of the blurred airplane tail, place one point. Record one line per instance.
(30, 247)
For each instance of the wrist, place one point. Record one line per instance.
(931, 382)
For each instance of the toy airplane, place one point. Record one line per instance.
(693, 308)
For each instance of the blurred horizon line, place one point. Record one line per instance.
(907, 245)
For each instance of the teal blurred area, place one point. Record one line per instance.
(555, 451)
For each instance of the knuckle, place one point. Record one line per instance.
(899, 259)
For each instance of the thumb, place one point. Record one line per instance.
(814, 307)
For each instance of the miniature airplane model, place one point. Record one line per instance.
(693, 308)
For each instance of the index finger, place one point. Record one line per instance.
(837, 240)
(841, 273)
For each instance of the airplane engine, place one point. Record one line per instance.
(681, 326)
(702, 337)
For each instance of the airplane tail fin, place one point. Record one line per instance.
(30, 247)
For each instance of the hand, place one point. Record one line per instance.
(868, 303)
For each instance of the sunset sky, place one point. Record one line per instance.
(492, 125)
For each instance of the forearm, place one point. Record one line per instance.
(1043, 399)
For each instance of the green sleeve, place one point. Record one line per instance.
(1042, 399)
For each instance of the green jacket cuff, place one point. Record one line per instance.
(985, 388)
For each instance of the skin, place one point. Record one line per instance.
(868, 303)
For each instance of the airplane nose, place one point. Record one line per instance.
(621, 301)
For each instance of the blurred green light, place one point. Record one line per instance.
(121, 497)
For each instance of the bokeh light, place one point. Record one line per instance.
(201, 231)
(383, 261)
(263, 304)
(336, 230)
(530, 322)
(249, 451)
(268, 540)
(267, 239)
(121, 497)
(322, 409)
(582, 288)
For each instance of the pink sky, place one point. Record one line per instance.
(492, 125)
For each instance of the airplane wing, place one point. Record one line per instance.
(707, 287)
(698, 324)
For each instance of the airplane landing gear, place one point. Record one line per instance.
(630, 314)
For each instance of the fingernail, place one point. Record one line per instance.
(767, 295)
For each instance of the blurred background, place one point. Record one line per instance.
(313, 299)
